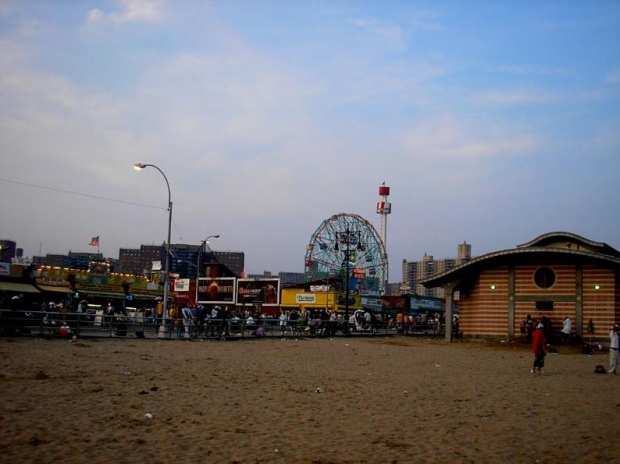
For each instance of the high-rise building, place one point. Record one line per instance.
(414, 271)
(464, 253)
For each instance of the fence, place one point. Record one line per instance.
(63, 324)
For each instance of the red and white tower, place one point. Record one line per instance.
(384, 207)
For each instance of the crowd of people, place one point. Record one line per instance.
(529, 325)
(189, 320)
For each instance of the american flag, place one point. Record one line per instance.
(94, 241)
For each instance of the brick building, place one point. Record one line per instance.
(556, 275)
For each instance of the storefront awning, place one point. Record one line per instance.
(18, 287)
(53, 288)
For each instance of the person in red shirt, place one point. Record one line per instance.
(539, 349)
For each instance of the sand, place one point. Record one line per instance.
(341, 400)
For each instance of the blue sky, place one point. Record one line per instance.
(492, 122)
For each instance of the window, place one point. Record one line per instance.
(544, 277)
(544, 306)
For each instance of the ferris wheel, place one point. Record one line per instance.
(347, 240)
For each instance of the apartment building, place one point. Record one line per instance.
(428, 266)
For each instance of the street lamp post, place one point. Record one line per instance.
(202, 245)
(139, 167)
(346, 239)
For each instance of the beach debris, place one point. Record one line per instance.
(148, 415)
(121, 372)
(320, 390)
(154, 388)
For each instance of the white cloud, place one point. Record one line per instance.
(133, 10)
(385, 29)
(95, 16)
(450, 137)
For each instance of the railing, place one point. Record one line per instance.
(63, 324)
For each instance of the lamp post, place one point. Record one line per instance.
(202, 244)
(139, 167)
(346, 238)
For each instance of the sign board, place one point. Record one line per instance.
(372, 302)
(319, 288)
(181, 285)
(264, 291)
(425, 304)
(216, 290)
(305, 298)
(5, 269)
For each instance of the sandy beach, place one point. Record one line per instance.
(341, 400)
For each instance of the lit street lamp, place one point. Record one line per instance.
(200, 250)
(139, 167)
(347, 238)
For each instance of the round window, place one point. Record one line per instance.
(544, 277)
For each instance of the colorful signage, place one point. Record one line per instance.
(264, 291)
(425, 304)
(181, 285)
(216, 290)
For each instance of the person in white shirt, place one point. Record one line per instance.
(283, 323)
(188, 319)
(613, 349)
(566, 328)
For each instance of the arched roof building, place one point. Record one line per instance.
(558, 274)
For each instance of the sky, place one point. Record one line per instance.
(492, 122)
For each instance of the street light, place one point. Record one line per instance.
(202, 244)
(347, 238)
(139, 167)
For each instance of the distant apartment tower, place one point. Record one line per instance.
(464, 253)
(129, 261)
(286, 278)
(183, 259)
(149, 254)
(233, 260)
(414, 271)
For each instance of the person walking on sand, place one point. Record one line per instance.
(613, 349)
(538, 348)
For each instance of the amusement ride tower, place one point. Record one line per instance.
(384, 207)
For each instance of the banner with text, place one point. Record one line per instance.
(217, 290)
(264, 291)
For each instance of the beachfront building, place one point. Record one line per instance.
(557, 275)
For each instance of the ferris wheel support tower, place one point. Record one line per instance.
(384, 207)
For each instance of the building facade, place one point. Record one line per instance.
(556, 275)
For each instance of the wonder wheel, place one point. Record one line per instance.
(347, 240)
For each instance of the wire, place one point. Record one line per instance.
(79, 194)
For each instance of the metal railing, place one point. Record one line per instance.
(137, 325)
